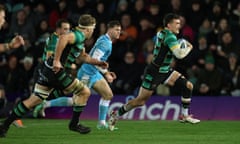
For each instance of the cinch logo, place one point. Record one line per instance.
(154, 111)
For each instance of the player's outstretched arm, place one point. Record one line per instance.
(16, 42)
(84, 57)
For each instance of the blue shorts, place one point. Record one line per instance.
(89, 79)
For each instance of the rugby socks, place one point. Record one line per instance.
(103, 110)
(77, 110)
(61, 101)
(18, 111)
(185, 107)
(122, 110)
(184, 111)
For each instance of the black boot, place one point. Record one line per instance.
(3, 130)
(80, 128)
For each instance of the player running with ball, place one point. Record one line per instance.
(159, 72)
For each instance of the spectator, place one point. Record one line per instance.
(77, 8)
(224, 48)
(43, 31)
(20, 26)
(26, 72)
(127, 38)
(176, 7)
(156, 15)
(100, 12)
(195, 15)
(186, 31)
(125, 84)
(10, 77)
(39, 13)
(232, 77)
(138, 10)
(198, 53)
(60, 12)
(209, 78)
(129, 31)
(122, 8)
(235, 15)
(146, 31)
(205, 28)
(216, 13)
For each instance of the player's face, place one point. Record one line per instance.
(174, 26)
(2, 18)
(90, 32)
(65, 28)
(115, 32)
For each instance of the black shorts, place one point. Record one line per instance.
(152, 77)
(48, 78)
(37, 72)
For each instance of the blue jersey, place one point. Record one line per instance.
(101, 51)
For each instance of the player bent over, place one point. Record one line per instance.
(93, 76)
(159, 72)
(55, 75)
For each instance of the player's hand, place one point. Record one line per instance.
(102, 64)
(57, 66)
(114, 76)
(110, 76)
(16, 42)
(189, 45)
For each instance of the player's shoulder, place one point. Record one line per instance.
(77, 32)
(103, 38)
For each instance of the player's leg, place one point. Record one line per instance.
(18, 123)
(143, 95)
(40, 92)
(140, 100)
(102, 88)
(81, 94)
(58, 102)
(176, 79)
(151, 80)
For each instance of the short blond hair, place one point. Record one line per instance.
(86, 20)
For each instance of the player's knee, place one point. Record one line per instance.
(184, 83)
(108, 95)
(186, 87)
(78, 88)
(32, 101)
(41, 93)
(85, 92)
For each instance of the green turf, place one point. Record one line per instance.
(44, 131)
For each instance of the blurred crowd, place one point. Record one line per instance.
(213, 27)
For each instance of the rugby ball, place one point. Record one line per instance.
(182, 42)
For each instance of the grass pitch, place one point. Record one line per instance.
(49, 131)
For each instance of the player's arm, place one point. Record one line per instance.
(110, 76)
(64, 39)
(84, 57)
(180, 50)
(16, 42)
